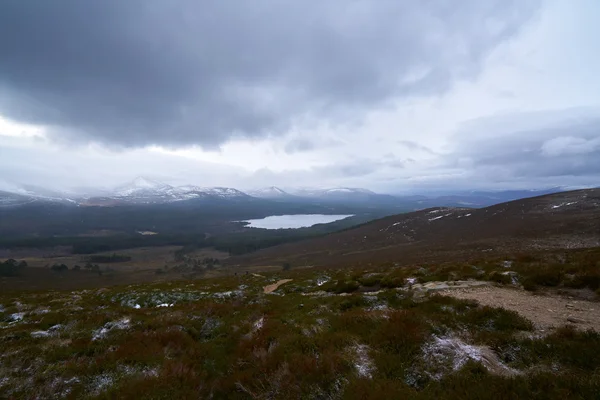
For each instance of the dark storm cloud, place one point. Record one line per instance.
(180, 72)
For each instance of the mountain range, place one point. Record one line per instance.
(149, 191)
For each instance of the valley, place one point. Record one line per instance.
(443, 302)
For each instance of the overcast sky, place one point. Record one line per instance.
(394, 96)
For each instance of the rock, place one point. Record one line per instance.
(575, 320)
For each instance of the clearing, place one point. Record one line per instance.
(545, 311)
(273, 287)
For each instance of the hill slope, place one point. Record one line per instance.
(567, 220)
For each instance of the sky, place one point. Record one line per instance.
(393, 96)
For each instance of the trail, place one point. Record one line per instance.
(273, 287)
(545, 311)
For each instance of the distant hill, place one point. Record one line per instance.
(144, 190)
(567, 220)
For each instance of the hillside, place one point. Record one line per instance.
(347, 333)
(561, 220)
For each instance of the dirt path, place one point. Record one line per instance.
(545, 311)
(273, 287)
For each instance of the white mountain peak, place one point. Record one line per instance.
(269, 192)
(146, 183)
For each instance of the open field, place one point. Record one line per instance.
(352, 333)
(142, 268)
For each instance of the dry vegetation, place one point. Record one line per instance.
(329, 333)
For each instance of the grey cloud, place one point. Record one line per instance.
(140, 72)
(415, 146)
(298, 145)
(568, 149)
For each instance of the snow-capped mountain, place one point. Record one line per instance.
(141, 186)
(271, 192)
(144, 190)
(14, 194)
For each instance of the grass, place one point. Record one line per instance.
(319, 336)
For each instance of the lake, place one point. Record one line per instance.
(293, 221)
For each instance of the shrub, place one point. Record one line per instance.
(547, 277)
(345, 287)
(59, 268)
(370, 281)
(591, 281)
(500, 278)
(352, 302)
(529, 285)
(11, 267)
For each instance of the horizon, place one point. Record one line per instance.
(27, 189)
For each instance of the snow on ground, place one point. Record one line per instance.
(228, 294)
(362, 362)
(52, 331)
(447, 354)
(258, 324)
(100, 383)
(564, 204)
(16, 317)
(147, 299)
(323, 280)
(101, 333)
(441, 216)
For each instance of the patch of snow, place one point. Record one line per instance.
(100, 383)
(258, 324)
(101, 333)
(564, 204)
(444, 349)
(229, 294)
(447, 354)
(323, 280)
(40, 334)
(165, 305)
(16, 317)
(137, 300)
(441, 216)
(362, 362)
(147, 233)
(411, 281)
(507, 264)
